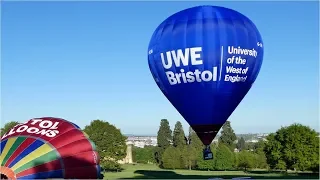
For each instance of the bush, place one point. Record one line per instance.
(110, 165)
(245, 160)
(171, 158)
(224, 159)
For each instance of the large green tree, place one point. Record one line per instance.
(143, 155)
(259, 146)
(178, 136)
(245, 160)
(260, 160)
(164, 138)
(191, 150)
(194, 140)
(179, 142)
(7, 127)
(241, 145)
(228, 136)
(171, 158)
(197, 146)
(189, 155)
(272, 150)
(293, 147)
(224, 158)
(109, 141)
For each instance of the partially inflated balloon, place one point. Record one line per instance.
(48, 148)
(205, 59)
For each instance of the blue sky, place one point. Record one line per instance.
(87, 60)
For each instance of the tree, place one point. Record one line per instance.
(171, 158)
(196, 144)
(110, 165)
(143, 155)
(179, 142)
(272, 151)
(259, 155)
(250, 146)
(195, 141)
(164, 139)
(245, 160)
(260, 160)
(281, 165)
(8, 126)
(189, 155)
(178, 136)
(224, 158)
(293, 147)
(241, 145)
(259, 146)
(134, 154)
(227, 135)
(109, 141)
(315, 167)
(149, 151)
(190, 152)
(236, 160)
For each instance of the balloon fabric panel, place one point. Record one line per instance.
(48, 148)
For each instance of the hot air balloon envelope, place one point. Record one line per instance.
(205, 59)
(48, 148)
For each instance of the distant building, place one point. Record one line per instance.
(142, 141)
(139, 144)
(252, 141)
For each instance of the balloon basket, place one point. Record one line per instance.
(207, 154)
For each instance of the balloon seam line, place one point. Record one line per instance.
(221, 58)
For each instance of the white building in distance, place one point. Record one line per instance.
(141, 141)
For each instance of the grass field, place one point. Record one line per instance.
(143, 171)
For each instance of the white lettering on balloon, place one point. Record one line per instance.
(235, 65)
(237, 62)
(35, 126)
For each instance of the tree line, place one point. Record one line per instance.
(295, 147)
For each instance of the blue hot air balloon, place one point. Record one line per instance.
(205, 59)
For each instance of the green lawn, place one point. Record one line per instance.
(143, 171)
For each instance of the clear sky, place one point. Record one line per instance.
(87, 60)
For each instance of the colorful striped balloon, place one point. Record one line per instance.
(48, 148)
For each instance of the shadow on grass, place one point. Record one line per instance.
(149, 174)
